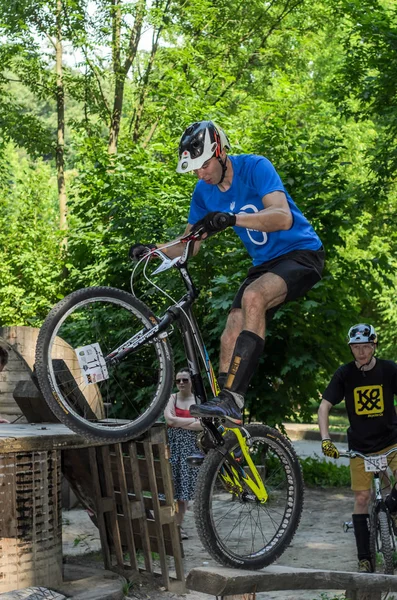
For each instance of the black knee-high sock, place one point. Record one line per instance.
(361, 531)
(249, 346)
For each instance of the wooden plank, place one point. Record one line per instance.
(21, 437)
(156, 511)
(225, 582)
(32, 404)
(143, 476)
(111, 516)
(126, 507)
(98, 509)
(143, 525)
(177, 547)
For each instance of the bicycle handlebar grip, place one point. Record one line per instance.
(220, 220)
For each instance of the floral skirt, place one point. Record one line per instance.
(183, 443)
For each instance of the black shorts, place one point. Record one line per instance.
(300, 269)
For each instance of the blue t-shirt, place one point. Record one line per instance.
(254, 177)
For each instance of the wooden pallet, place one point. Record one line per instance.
(127, 487)
(135, 507)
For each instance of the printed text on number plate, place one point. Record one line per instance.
(376, 463)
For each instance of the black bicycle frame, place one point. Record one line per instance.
(182, 313)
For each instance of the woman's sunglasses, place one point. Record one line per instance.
(182, 380)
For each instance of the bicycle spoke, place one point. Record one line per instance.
(84, 390)
(240, 529)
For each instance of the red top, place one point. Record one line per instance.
(181, 412)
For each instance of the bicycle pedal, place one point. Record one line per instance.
(195, 460)
(347, 525)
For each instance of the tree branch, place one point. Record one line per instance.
(288, 9)
(45, 87)
(142, 96)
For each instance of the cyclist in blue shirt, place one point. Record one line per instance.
(245, 192)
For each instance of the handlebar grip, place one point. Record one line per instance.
(220, 220)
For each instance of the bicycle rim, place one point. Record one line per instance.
(130, 396)
(233, 525)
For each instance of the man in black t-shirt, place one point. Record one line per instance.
(368, 386)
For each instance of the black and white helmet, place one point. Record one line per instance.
(362, 334)
(200, 142)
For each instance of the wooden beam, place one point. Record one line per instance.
(227, 582)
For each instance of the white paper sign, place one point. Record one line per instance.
(375, 463)
(92, 363)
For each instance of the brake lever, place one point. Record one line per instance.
(166, 263)
(193, 236)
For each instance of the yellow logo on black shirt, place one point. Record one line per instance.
(368, 400)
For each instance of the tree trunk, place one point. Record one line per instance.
(121, 71)
(60, 97)
(116, 114)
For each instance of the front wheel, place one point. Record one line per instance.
(101, 399)
(381, 542)
(234, 526)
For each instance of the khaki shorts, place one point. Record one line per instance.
(360, 478)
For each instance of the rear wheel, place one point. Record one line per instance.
(103, 401)
(234, 526)
(381, 542)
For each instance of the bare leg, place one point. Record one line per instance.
(361, 502)
(182, 506)
(267, 291)
(264, 293)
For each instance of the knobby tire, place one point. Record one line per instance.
(380, 542)
(138, 388)
(243, 533)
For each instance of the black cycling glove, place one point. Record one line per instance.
(138, 251)
(214, 222)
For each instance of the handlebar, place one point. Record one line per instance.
(167, 262)
(356, 453)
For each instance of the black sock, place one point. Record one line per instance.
(361, 531)
(247, 351)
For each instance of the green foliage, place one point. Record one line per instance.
(322, 473)
(30, 262)
(311, 86)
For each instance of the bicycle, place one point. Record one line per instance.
(382, 541)
(105, 367)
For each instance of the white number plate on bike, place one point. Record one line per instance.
(376, 463)
(92, 363)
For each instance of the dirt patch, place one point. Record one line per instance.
(320, 543)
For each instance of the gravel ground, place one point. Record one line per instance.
(319, 543)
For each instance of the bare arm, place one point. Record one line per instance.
(174, 421)
(276, 215)
(323, 418)
(196, 426)
(175, 251)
